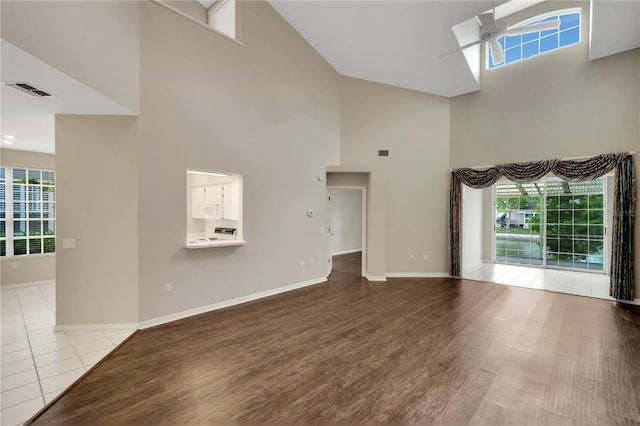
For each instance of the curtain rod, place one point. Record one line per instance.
(562, 159)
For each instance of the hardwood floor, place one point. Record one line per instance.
(412, 351)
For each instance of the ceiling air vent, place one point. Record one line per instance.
(28, 89)
(383, 153)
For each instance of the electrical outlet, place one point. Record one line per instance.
(302, 263)
(14, 265)
(411, 257)
(322, 229)
(168, 288)
(311, 262)
(425, 257)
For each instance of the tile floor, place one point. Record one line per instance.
(37, 363)
(561, 281)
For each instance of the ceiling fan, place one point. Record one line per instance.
(491, 30)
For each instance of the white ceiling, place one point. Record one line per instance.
(400, 42)
(391, 42)
(32, 120)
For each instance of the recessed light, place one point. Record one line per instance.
(9, 137)
(7, 142)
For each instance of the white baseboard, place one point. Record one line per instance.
(30, 284)
(96, 327)
(374, 278)
(227, 303)
(338, 253)
(629, 302)
(418, 275)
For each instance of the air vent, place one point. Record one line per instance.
(27, 89)
(383, 153)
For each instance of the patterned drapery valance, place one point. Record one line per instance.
(572, 171)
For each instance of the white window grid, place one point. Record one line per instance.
(537, 19)
(28, 212)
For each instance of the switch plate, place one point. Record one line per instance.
(69, 243)
(168, 288)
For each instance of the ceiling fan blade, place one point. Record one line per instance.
(542, 26)
(488, 22)
(460, 48)
(496, 51)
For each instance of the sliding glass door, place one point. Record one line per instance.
(551, 223)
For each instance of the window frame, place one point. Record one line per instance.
(489, 65)
(10, 219)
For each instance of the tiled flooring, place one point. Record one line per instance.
(36, 363)
(561, 281)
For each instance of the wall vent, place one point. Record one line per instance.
(28, 89)
(383, 153)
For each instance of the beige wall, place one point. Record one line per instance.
(409, 189)
(557, 106)
(97, 204)
(269, 110)
(20, 270)
(70, 36)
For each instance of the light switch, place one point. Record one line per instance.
(69, 243)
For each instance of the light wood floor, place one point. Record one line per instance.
(409, 351)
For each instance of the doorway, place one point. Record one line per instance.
(346, 224)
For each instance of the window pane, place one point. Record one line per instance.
(34, 177)
(571, 36)
(3, 248)
(20, 228)
(19, 193)
(512, 41)
(581, 217)
(19, 210)
(48, 194)
(580, 201)
(596, 217)
(595, 201)
(566, 201)
(48, 210)
(19, 247)
(3, 229)
(552, 230)
(35, 227)
(2, 174)
(49, 245)
(566, 216)
(566, 231)
(513, 54)
(531, 37)
(530, 49)
(553, 202)
(35, 194)
(549, 43)
(569, 20)
(596, 247)
(49, 227)
(580, 261)
(552, 245)
(581, 247)
(596, 231)
(581, 231)
(553, 216)
(34, 210)
(3, 210)
(48, 178)
(566, 245)
(19, 176)
(35, 245)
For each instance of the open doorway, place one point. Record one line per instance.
(346, 216)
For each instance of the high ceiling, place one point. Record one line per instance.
(398, 43)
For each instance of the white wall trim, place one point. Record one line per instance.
(374, 278)
(418, 275)
(29, 284)
(629, 302)
(95, 327)
(227, 303)
(338, 253)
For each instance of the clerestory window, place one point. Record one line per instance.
(525, 46)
